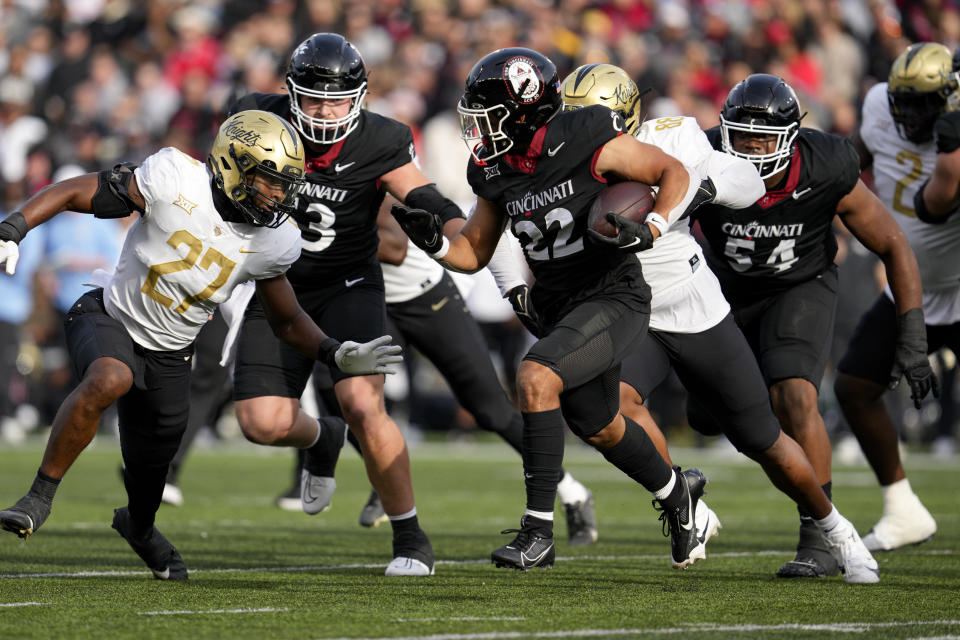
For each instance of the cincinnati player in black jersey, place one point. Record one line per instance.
(539, 169)
(354, 157)
(775, 263)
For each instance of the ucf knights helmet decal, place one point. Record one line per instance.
(604, 84)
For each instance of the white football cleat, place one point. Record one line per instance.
(856, 563)
(401, 566)
(706, 522)
(172, 495)
(904, 522)
(316, 492)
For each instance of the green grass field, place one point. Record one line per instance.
(259, 572)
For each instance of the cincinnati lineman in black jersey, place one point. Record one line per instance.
(775, 264)
(353, 159)
(539, 170)
(691, 328)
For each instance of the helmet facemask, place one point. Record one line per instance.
(319, 130)
(481, 129)
(915, 113)
(264, 209)
(767, 164)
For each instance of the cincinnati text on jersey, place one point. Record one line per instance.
(323, 192)
(548, 196)
(757, 230)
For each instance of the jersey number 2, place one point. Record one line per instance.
(211, 257)
(561, 244)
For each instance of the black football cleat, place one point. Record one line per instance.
(161, 557)
(25, 517)
(679, 522)
(813, 559)
(532, 547)
(372, 514)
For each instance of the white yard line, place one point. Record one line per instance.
(23, 604)
(841, 627)
(381, 565)
(187, 613)
(458, 619)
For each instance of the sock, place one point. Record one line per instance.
(896, 492)
(546, 516)
(664, 493)
(806, 517)
(570, 491)
(637, 457)
(831, 521)
(542, 457)
(44, 486)
(404, 521)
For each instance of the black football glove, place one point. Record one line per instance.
(519, 298)
(632, 236)
(707, 192)
(946, 131)
(910, 359)
(423, 227)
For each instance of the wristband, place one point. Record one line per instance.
(13, 227)
(442, 251)
(327, 351)
(658, 221)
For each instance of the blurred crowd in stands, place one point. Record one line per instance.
(88, 83)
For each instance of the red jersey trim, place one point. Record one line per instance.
(323, 161)
(527, 162)
(593, 161)
(771, 198)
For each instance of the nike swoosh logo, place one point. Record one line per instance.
(690, 515)
(350, 283)
(527, 560)
(706, 527)
(245, 251)
(553, 152)
(796, 194)
(340, 167)
(163, 575)
(439, 305)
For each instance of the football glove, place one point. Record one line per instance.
(519, 298)
(706, 193)
(9, 254)
(632, 236)
(910, 358)
(369, 357)
(946, 131)
(425, 229)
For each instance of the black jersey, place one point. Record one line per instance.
(547, 195)
(786, 237)
(343, 187)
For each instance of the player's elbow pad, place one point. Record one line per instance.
(429, 199)
(112, 200)
(737, 181)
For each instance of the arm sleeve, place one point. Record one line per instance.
(737, 181)
(506, 265)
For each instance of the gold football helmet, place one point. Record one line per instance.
(257, 161)
(919, 88)
(606, 84)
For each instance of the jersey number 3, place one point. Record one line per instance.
(211, 257)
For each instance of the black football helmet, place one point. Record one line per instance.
(509, 94)
(922, 84)
(763, 104)
(326, 67)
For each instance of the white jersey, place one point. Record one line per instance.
(181, 259)
(417, 274)
(687, 297)
(900, 168)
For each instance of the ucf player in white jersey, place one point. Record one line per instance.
(691, 327)
(907, 135)
(203, 230)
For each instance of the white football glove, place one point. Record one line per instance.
(368, 358)
(9, 253)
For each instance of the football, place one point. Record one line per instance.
(632, 200)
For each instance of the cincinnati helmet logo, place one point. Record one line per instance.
(523, 79)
